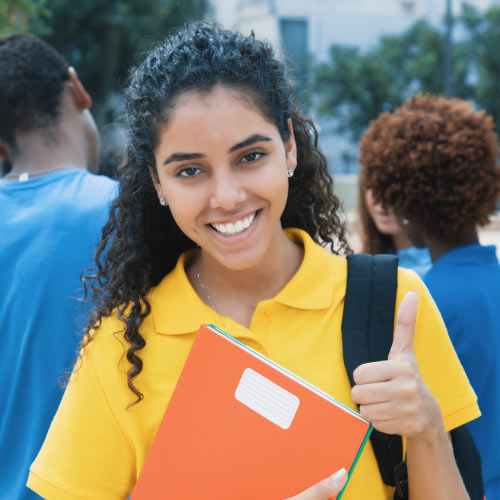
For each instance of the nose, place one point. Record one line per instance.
(227, 191)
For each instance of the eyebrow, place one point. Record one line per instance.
(183, 157)
(249, 141)
(196, 156)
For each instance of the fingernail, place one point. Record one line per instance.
(340, 474)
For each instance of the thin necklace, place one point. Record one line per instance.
(212, 305)
(24, 176)
(203, 286)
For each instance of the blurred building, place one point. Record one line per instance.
(306, 29)
(310, 27)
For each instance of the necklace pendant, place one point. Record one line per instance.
(200, 281)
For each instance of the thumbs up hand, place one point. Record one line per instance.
(404, 332)
(391, 393)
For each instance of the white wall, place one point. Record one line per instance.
(350, 22)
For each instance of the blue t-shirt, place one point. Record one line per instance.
(416, 259)
(49, 228)
(465, 283)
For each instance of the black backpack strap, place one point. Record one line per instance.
(367, 334)
(468, 461)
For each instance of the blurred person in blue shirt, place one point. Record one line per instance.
(435, 162)
(53, 210)
(380, 233)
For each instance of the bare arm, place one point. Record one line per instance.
(432, 470)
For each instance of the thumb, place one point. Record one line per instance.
(405, 326)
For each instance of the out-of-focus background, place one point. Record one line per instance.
(349, 59)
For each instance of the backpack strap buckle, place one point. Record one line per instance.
(400, 476)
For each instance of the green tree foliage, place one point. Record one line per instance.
(17, 16)
(481, 49)
(103, 39)
(354, 86)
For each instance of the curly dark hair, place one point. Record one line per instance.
(32, 76)
(141, 241)
(435, 162)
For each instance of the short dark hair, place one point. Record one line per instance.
(434, 161)
(32, 76)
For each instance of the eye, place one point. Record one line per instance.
(188, 172)
(253, 156)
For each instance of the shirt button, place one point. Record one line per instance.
(269, 312)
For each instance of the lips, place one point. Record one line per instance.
(235, 227)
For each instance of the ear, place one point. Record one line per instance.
(156, 181)
(291, 149)
(80, 95)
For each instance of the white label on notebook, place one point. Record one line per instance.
(267, 398)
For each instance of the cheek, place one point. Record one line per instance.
(185, 206)
(275, 189)
(284, 197)
(393, 227)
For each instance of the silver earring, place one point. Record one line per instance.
(163, 201)
(289, 172)
(405, 222)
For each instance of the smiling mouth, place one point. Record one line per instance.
(232, 228)
(384, 213)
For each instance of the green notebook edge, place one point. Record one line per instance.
(291, 374)
(356, 459)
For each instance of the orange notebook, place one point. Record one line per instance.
(239, 426)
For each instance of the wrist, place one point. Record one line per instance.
(433, 430)
(433, 435)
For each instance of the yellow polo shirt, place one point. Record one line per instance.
(96, 446)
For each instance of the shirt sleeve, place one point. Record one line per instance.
(85, 456)
(438, 362)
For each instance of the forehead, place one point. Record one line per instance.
(222, 116)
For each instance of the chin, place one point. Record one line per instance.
(239, 265)
(388, 229)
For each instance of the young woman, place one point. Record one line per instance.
(381, 233)
(224, 206)
(435, 161)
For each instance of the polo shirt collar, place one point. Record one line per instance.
(170, 298)
(311, 288)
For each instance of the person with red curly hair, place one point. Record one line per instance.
(380, 233)
(434, 161)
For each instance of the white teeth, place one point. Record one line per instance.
(234, 228)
